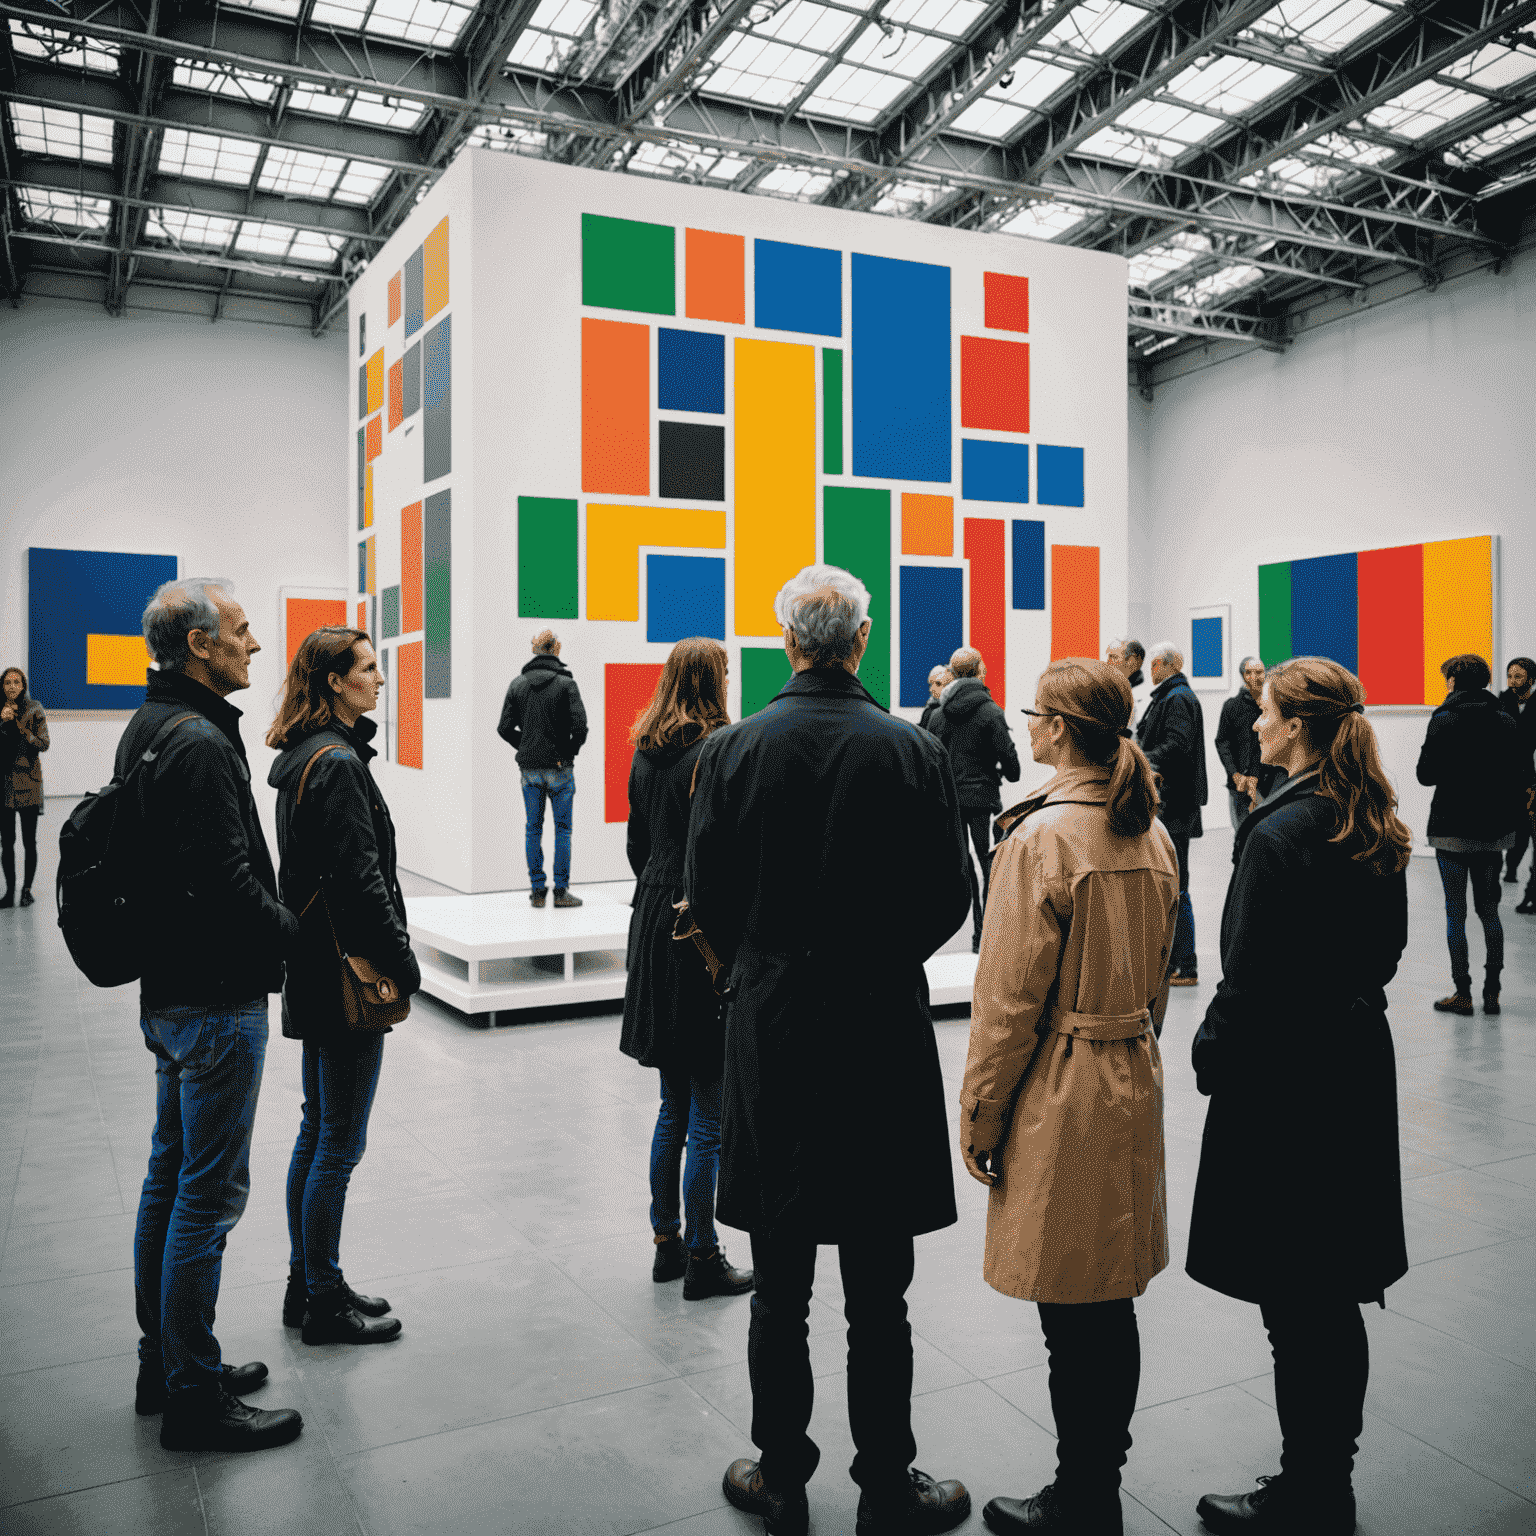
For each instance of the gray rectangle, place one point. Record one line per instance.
(362, 391)
(412, 374)
(437, 401)
(437, 596)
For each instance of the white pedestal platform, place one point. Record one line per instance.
(492, 954)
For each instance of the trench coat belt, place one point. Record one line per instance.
(1101, 1026)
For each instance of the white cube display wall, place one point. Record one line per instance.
(628, 410)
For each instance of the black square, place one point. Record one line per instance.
(692, 461)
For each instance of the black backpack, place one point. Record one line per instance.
(101, 869)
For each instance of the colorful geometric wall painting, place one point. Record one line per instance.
(394, 299)
(415, 303)
(1074, 600)
(374, 375)
(302, 616)
(932, 625)
(1028, 563)
(615, 407)
(994, 471)
(1458, 606)
(375, 434)
(626, 264)
(1325, 609)
(994, 384)
(85, 646)
(614, 537)
(684, 596)
(1390, 583)
(437, 614)
(434, 251)
(437, 401)
(716, 266)
(690, 461)
(927, 524)
(797, 288)
(409, 731)
(547, 573)
(690, 370)
(1206, 648)
(1060, 475)
(1006, 302)
(764, 671)
(831, 411)
(396, 393)
(989, 611)
(627, 689)
(411, 594)
(856, 534)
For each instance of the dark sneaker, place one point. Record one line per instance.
(211, 1419)
(923, 1508)
(671, 1260)
(565, 899)
(332, 1319)
(536, 898)
(1457, 1002)
(149, 1391)
(1049, 1511)
(712, 1275)
(1491, 1003)
(1273, 1506)
(785, 1512)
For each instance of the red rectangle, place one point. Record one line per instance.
(1390, 584)
(989, 629)
(362, 614)
(394, 298)
(410, 569)
(396, 393)
(994, 384)
(627, 689)
(615, 407)
(408, 732)
(1074, 601)
(1007, 301)
(305, 615)
(375, 438)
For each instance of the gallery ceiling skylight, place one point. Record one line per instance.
(284, 243)
(195, 231)
(552, 34)
(1423, 108)
(1493, 141)
(69, 209)
(1002, 109)
(64, 135)
(32, 41)
(239, 83)
(1317, 28)
(1228, 84)
(1151, 133)
(207, 157)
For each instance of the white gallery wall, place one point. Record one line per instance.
(1414, 421)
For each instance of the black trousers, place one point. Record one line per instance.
(1322, 1365)
(876, 1273)
(978, 826)
(28, 844)
(1513, 857)
(1095, 1371)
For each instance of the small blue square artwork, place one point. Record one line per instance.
(690, 368)
(797, 288)
(1060, 472)
(684, 596)
(1206, 647)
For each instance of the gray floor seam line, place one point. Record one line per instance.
(111, 1482)
(1456, 1338)
(202, 1508)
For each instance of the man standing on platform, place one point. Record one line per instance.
(543, 719)
(1248, 780)
(825, 864)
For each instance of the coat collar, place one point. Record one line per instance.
(828, 682)
(1074, 786)
(1168, 684)
(178, 688)
(1286, 793)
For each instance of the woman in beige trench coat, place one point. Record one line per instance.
(1061, 1110)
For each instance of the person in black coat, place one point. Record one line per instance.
(1298, 1199)
(337, 846)
(1172, 734)
(825, 864)
(939, 678)
(982, 754)
(1518, 701)
(1248, 780)
(1473, 756)
(671, 1014)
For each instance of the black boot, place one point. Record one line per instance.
(211, 1419)
(332, 1319)
(149, 1392)
(296, 1301)
(785, 1511)
(1048, 1510)
(1278, 1506)
(923, 1508)
(671, 1260)
(711, 1274)
(563, 898)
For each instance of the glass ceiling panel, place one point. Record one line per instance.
(1151, 133)
(952, 18)
(207, 157)
(906, 198)
(1227, 84)
(1043, 220)
(1218, 285)
(1494, 140)
(238, 83)
(909, 54)
(553, 30)
(432, 23)
(810, 26)
(35, 42)
(507, 137)
(1317, 28)
(301, 173)
(360, 182)
(287, 244)
(1492, 67)
(68, 135)
(1149, 267)
(1092, 27)
(1422, 109)
(859, 95)
(1320, 166)
(1002, 109)
(683, 161)
(368, 108)
(790, 181)
(183, 228)
(67, 208)
(761, 70)
(271, 7)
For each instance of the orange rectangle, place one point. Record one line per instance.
(368, 497)
(307, 614)
(434, 255)
(409, 685)
(411, 587)
(927, 524)
(1074, 600)
(715, 279)
(362, 615)
(615, 407)
(394, 298)
(376, 381)
(396, 393)
(372, 582)
(374, 438)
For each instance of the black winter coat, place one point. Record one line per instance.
(671, 1014)
(1525, 719)
(542, 715)
(826, 863)
(1172, 734)
(1238, 747)
(980, 746)
(1299, 1189)
(339, 838)
(210, 883)
(1473, 756)
(925, 720)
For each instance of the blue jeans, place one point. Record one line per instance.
(339, 1084)
(208, 1065)
(1183, 957)
(1484, 869)
(557, 785)
(690, 1111)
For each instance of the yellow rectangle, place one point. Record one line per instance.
(119, 661)
(775, 406)
(614, 537)
(434, 260)
(373, 587)
(1458, 606)
(376, 382)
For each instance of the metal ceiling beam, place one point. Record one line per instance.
(168, 253)
(1214, 324)
(672, 67)
(136, 149)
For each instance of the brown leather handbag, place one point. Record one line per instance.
(370, 1001)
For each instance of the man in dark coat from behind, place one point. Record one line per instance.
(1172, 734)
(825, 864)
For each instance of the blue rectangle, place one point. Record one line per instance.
(72, 593)
(797, 288)
(690, 371)
(415, 299)
(684, 596)
(1325, 609)
(1060, 475)
(362, 567)
(994, 471)
(932, 621)
(1028, 563)
(437, 394)
(901, 370)
(1205, 647)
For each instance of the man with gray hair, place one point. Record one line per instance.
(825, 864)
(222, 934)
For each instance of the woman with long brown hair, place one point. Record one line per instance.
(23, 738)
(337, 844)
(1061, 1109)
(1298, 1201)
(671, 1014)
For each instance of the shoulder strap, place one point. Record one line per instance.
(304, 777)
(159, 739)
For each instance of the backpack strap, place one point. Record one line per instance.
(335, 746)
(152, 751)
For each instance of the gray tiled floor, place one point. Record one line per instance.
(544, 1385)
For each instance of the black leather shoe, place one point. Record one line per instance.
(536, 898)
(1491, 1003)
(713, 1276)
(369, 1306)
(26, 899)
(149, 1392)
(1273, 1506)
(1049, 1511)
(1527, 906)
(671, 1260)
(923, 1508)
(785, 1513)
(332, 1319)
(296, 1301)
(1457, 1002)
(210, 1419)
(9, 899)
(565, 899)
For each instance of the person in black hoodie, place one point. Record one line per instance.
(939, 678)
(1472, 755)
(1518, 701)
(982, 754)
(543, 719)
(337, 845)
(672, 1018)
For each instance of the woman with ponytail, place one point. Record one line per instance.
(1061, 1110)
(1298, 1202)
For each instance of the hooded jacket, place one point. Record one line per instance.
(1473, 756)
(542, 717)
(980, 745)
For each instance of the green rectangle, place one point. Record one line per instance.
(546, 558)
(628, 265)
(1275, 612)
(389, 613)
(763, 673)
(856, 534)
(831, 411)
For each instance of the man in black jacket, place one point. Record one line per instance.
(1519, 703)
(542, 717)
(1248, 780)
(825, 864)
(203, 1011)
(1172, 734)
(982, 755)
